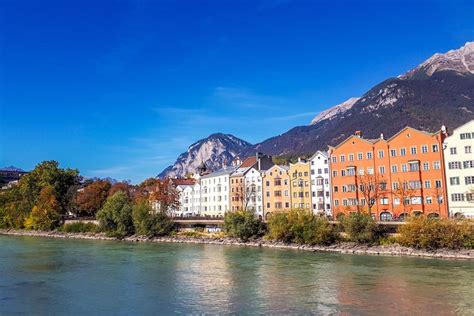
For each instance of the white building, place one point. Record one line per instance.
(215, 193)
(459, 164)
(254, 193)
(320, 184)
(189, 199)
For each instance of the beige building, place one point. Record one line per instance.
(276, 190)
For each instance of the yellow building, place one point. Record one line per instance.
(300, 184)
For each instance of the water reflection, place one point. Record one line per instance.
(46, 276)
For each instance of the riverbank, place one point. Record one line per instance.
(344, 247)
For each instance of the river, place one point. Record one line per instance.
(54, 276)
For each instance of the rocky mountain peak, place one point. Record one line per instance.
(334, 110)
(215, 151)
(459, 60)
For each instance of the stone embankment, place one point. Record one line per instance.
(344, 247)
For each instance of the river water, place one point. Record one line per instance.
(54, 276)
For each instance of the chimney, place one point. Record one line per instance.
(381, 136)
(299, 159)
(358, 133)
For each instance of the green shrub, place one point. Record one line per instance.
(115, 217)
(149, 223)
(424, 233)
(79, 227)
(361, 228)
(243, 225)
(300, 226)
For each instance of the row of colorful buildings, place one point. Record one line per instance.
(412, 172)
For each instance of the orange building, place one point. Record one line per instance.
(276, 189)
(390, 178)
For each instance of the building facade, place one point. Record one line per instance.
(300, 185)
(276, 190)
(320, 184)
(215, 192)
(389, 178)
(189, 200)
(459, 166)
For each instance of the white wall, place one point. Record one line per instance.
(320, 184)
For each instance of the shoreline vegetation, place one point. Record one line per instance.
(340, 247)
(41, 200)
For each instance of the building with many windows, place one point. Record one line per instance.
(276, 190)
(300, 185)
(459, 157)
(215, 192)
(189, 199)
(320, 184)
(389, 178)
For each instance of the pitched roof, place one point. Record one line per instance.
(249, 162)
(220, 172)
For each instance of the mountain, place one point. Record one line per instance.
(216, 151)
(12, 169)
(334, 110)
(440, 91)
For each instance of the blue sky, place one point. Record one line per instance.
(120, 88)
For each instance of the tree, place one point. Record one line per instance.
(243, 225)
(124, 187)
(45, 214)
(161, 193)
(404, 192)
(91, 198)
(46, 174)
(149, 223)
(371, 188)
(115, 217)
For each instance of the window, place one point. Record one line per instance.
(336, 202)
(369, 155)
(436, 165)
(435, 148)
(453, 151)
(393, 152)
(467, 149)
(384, 201)
(414, 184)
(413, 150)
(351, 157)
(343, 173)
(336, 188)
(381, 153)
(414, 166)
(351, 171)
(396, 201)
(359, 156)
(457, 197)
(454, 181)
(394, 169)
(334, 159)
(404, 168)
(403, 151)
(429, 200)
(454, 165)
(427, 184)
(382, 169)
(342, 158)
(395, 185)
(426, 166)
(437, 183)
(465, 136)
(416, 200)
(320, 171)
(469, 180)
(334, 173)
(424, 149)
(468, 164)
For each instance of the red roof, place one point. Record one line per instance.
(183, 181)
(249, 162)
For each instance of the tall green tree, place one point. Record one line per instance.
(150, 223)
(115, 217)
(46, 174)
